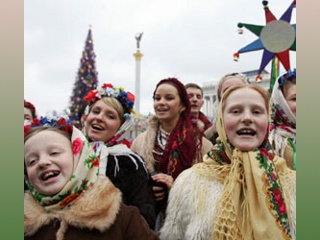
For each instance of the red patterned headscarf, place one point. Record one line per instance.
(183, 147)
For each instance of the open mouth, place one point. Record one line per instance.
(161, 110)
(49, 174)
(97, 127)
(246, 132)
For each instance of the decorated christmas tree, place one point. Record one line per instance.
(85, 81)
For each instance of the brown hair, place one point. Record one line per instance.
(33, 131)
(194, 85)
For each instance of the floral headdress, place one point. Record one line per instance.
(288, 76)
(85, 166)
(108, 90)
(61, 122)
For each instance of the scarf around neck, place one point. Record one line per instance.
(182, 148)
(252, 202)
(85, 174)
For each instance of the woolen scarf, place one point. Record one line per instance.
(252, 205)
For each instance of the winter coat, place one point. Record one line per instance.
(193, 201)
(128, 173)
(98, 214)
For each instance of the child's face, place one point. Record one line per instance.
(103, 121)
(289, 93)
(245, 119)
(48, 158)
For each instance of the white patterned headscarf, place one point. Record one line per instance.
(283, 121)
(85, 167)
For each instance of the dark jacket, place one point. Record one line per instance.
(98, 214)
(128, 173)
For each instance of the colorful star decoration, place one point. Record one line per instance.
(276, 38)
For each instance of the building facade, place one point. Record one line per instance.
(210, 91)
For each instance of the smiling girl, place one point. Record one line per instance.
(106, 124)
(171, 142)
(242, 190)
(67, 198)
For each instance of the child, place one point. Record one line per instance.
(67, 199)
(283, 125)
(242, 190)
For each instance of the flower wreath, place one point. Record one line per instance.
(108, 90)
(288, 76)
(61, 122)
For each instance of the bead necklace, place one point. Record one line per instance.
(162, 138)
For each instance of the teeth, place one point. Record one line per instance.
(49, 175)
(97, 127)
(246, 132)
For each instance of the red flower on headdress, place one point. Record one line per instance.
(77, 146)
(91, 95)
(26, 129)
(35, 122)
(131, 96)
(62, 121)
(107, 85)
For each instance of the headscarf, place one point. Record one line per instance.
(252, 204)
(283, 124)
(184, 143)
(85, 168)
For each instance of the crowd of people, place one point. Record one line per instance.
(184, 177)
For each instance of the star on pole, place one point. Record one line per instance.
(276, 38)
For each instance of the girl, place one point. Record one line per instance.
(242, 190)
(106, 122)
(66, 198)
(171, 142)
(283, 125)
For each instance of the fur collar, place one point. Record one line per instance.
(96, 209)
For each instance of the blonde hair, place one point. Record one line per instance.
(114, 103)
(257, 88)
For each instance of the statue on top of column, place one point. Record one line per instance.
(138, 38)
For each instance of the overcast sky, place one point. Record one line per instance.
(191, 40)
